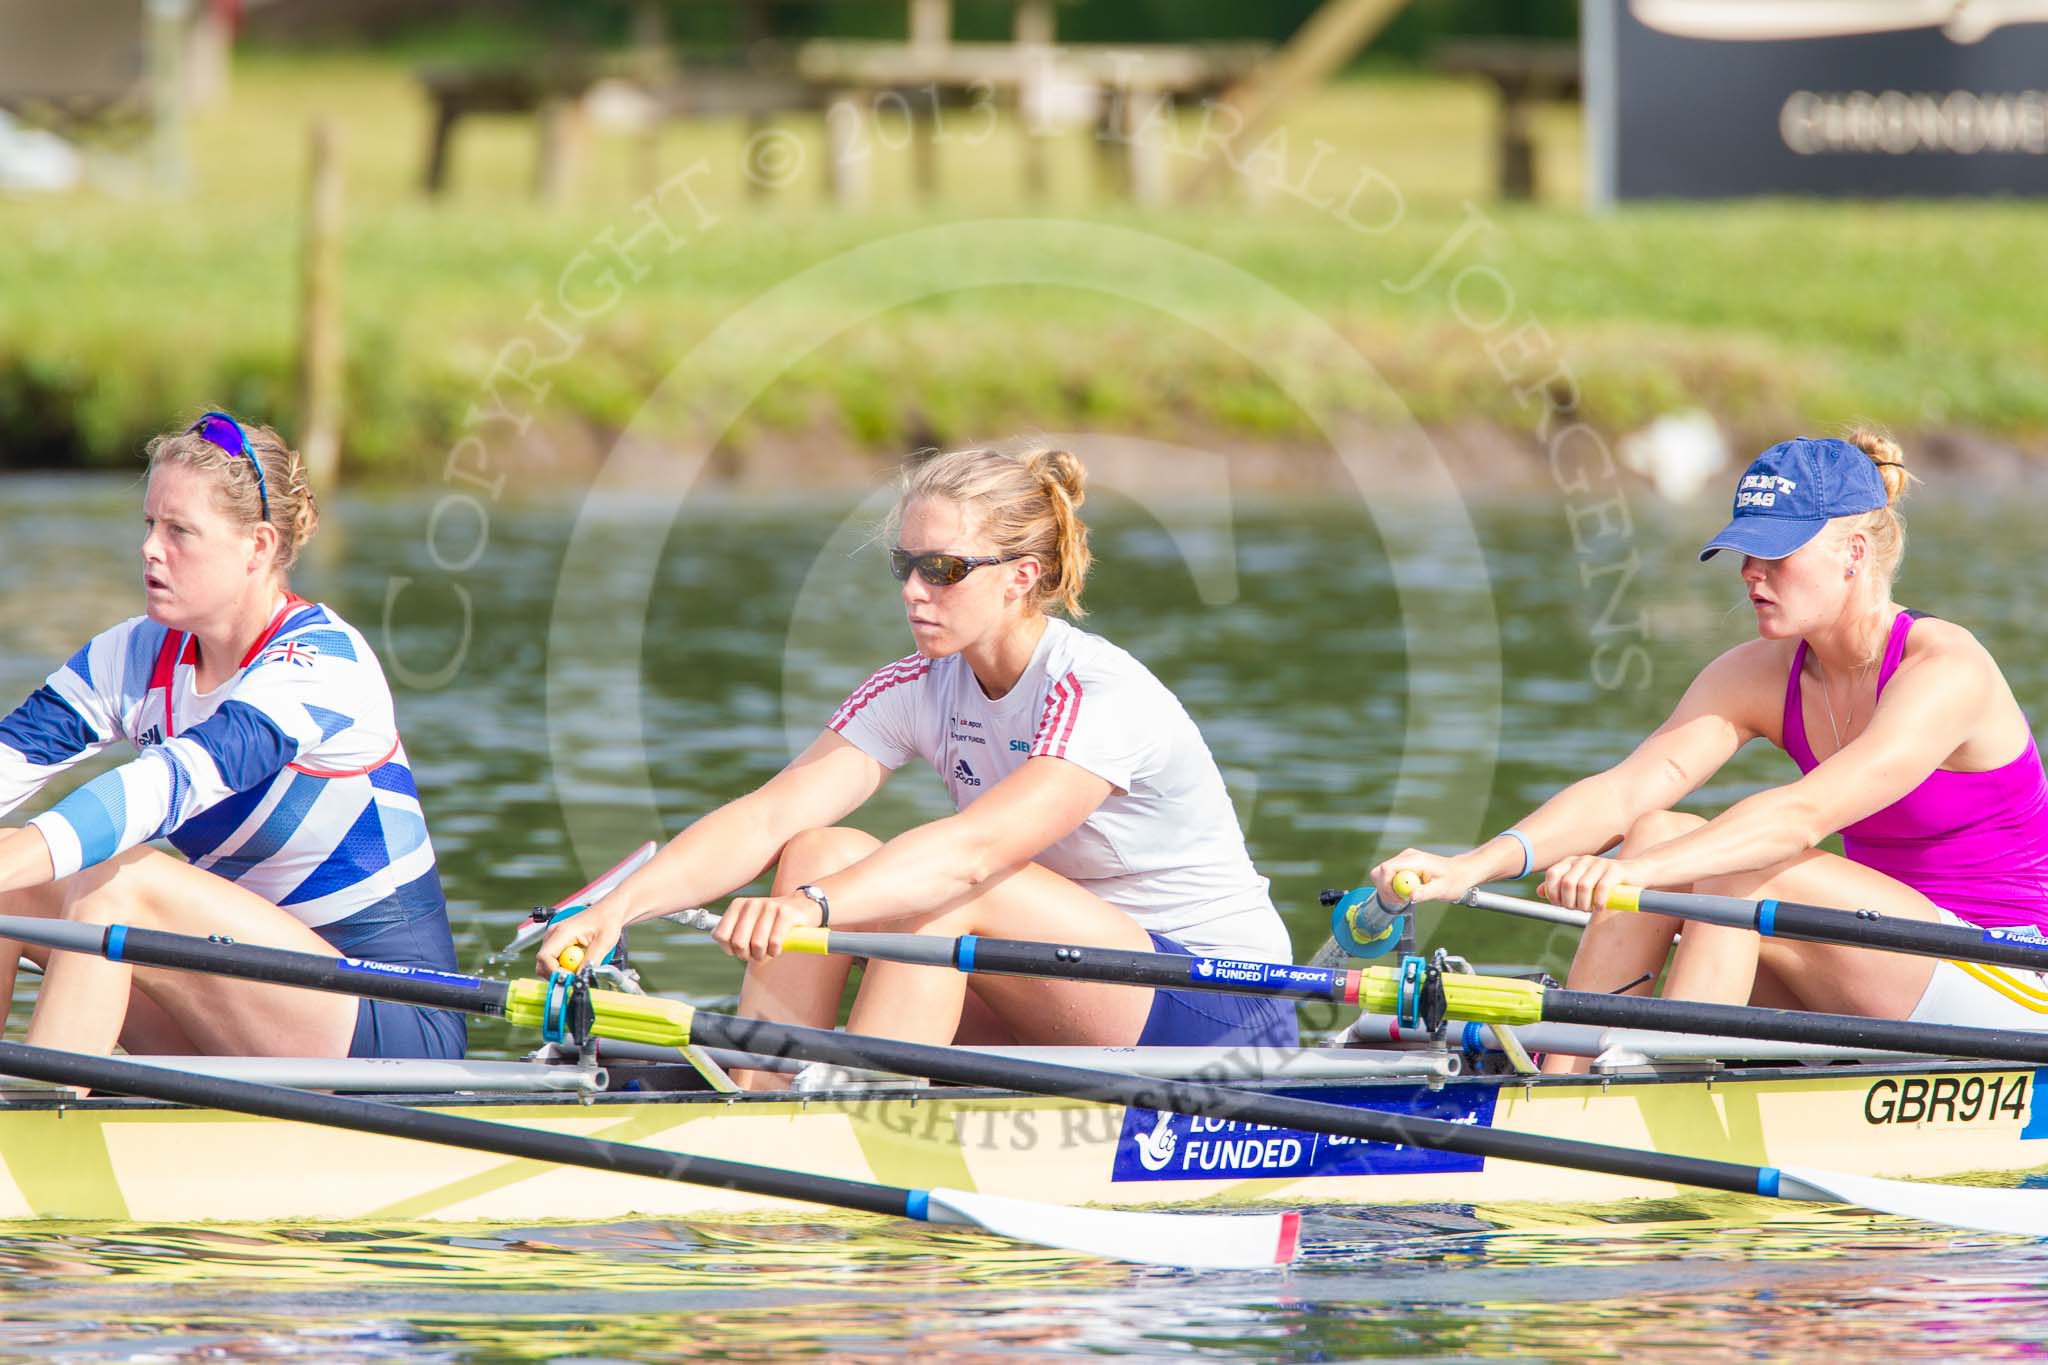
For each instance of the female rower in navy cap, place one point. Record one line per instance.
(1908, 741)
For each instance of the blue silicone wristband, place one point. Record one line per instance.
(1528, 851)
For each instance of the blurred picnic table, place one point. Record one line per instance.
(1121, 90)
(1126, 91)
(1521, 73)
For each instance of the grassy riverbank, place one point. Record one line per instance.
(119, 313)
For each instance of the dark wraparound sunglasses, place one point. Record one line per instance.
(225, 434)
(940, 570)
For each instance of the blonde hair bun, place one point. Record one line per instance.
(1062, 470)
(1884, 527)
(1890, 460)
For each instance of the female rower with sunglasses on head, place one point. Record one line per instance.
(1908, 740)
(268, 756)
(1088, 808)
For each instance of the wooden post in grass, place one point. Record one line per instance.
(848, 158)
(321, 357)
(1034, 35)
(562, 134)
(1315, 53)
(931, 24)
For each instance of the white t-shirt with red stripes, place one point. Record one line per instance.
(1164, 847)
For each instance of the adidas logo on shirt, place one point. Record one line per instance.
(965, 775)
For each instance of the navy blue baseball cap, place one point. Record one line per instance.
(1791, 490)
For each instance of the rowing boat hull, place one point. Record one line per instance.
(121, 1160)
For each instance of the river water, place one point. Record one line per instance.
(573, 678)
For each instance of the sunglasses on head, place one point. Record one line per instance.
(224, 433)
(939, 569)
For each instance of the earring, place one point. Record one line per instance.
(1852, 573)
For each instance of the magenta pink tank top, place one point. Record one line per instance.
(1975, 844)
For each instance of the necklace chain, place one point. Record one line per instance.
(1827, 702)
(1862, 671)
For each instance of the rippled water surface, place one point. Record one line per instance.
(1368, 677)
(1368, 1287)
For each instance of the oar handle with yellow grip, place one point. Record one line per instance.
(1728, 910)
(805, 940)
(919, 950)
(1490, 1000)
(573, 957)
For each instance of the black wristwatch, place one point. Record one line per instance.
(824, 906)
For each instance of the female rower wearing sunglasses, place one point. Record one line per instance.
(267, 754)
(1088, 808)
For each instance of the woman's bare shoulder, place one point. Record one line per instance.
(1932, 638)
(1752, 662)
(1745, 685)
(1953, 655)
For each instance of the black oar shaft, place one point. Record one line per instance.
(913, 1059)
(285, 967)
(902, 1058)
(1855, 928)
(1798, 1026)
(1213, 1101)
(1117, 966)
(109, 1074)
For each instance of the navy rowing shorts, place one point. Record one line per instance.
(1215, 1019)
(410, 928)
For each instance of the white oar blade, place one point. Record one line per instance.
(1962, 1206)
(1189, 1240)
